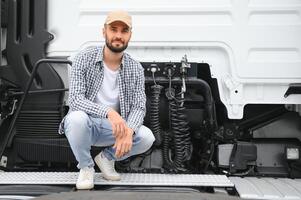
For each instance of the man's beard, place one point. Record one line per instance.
(116, 49)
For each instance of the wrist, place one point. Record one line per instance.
(130, 132)
(110, 112)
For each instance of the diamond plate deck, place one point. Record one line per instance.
(65, 178)
(267, 188)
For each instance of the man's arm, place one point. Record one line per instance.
(77, 98)
(138, 108)
(118, 123)
(124, 143)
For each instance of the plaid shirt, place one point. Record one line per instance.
(87, 74)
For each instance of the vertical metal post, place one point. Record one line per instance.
(0, 35)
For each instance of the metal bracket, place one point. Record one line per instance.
(3, 161)
(293, 89)
(13, 108)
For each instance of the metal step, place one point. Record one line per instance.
(267, 188)
(127, 179)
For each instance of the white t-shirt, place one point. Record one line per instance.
(109, 91)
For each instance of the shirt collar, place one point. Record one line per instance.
(99, 57)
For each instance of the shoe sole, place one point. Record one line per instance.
(109, 178)
(85, 188)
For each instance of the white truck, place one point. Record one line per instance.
(223, 85)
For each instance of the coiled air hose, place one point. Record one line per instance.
(180, 133)
(180, 130)
(154, 113)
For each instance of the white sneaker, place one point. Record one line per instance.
(85, 180)
(107, 167)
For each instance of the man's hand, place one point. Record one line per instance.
(118, 124)
(124, 144)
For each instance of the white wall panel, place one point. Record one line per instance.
(253, 46)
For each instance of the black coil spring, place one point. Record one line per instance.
(154, 113)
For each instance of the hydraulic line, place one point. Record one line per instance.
(176, 143)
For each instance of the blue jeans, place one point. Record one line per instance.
(84, 131)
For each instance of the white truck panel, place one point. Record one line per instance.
(253, 47)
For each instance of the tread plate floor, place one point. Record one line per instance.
(267, 188)
(65, 178)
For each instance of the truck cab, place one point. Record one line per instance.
(223, 86)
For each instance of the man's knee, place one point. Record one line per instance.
(76, 121)
(147, 136)
(77, 117)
